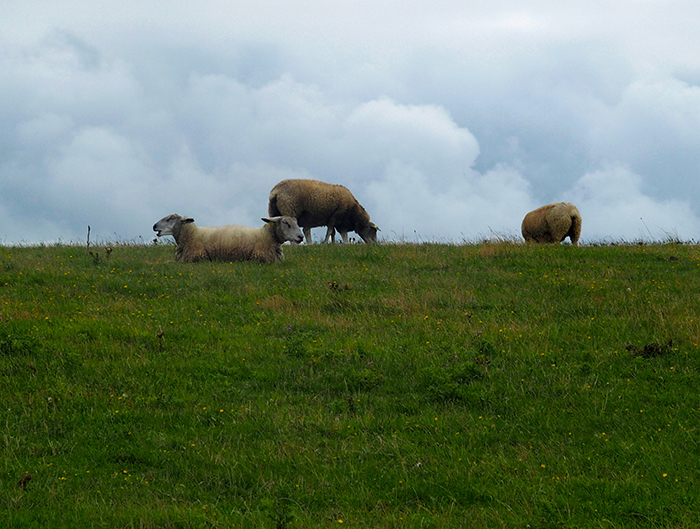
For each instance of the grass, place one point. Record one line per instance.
(399, 385)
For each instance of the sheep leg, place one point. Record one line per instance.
(330, 235)
(307, 235)
(344, 235)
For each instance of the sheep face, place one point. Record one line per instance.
(171, 225)
(286, 229)
(369, 234)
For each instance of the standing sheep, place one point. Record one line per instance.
(553, 223)
(229, 243)
(315, 203)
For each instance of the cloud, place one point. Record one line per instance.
(654, 129)
(99, 174)
(467, 206)
(613, 207)
(422, 136)
(446, 120)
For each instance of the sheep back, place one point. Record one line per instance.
(228, 243)
(552, 224)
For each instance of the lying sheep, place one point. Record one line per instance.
(315, 203)
(229, 243)
(553, 223)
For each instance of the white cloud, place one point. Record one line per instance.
(613, 207)
(425, 137)
(467, 206)
(447, 119)
(654, 129)
(100, 178)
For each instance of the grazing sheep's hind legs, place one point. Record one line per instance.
(575, 230)
(330, 235)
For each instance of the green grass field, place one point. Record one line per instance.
(398, 385)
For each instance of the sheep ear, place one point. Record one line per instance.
(375, 227)
(265, 220)
(187, 220)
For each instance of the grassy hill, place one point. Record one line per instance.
(484, 385)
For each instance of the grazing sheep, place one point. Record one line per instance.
(229, 243)
(315, 203)
(553, 223)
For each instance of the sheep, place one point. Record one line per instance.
(314, 203)
(553, 223)
(229, 243)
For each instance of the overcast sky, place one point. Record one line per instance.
(448, 120)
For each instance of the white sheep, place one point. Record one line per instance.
(553, 223)
(314, 203)
(229, 243)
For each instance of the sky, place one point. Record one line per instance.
(449, 120)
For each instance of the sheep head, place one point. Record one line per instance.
(286, 229)
(171, 225)
(369, 233)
